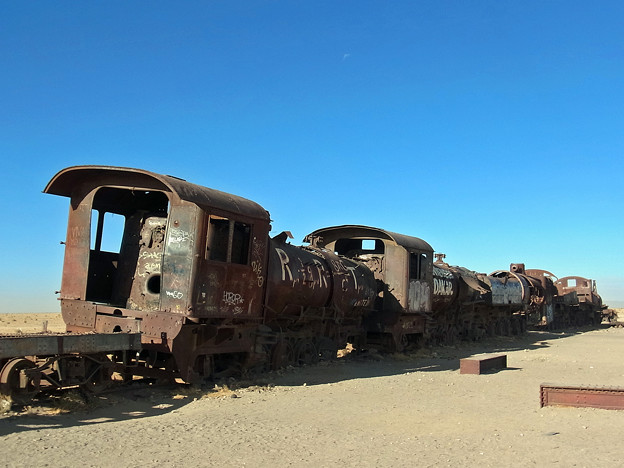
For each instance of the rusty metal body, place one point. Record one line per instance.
(311, 287)
(418, 299)
(584, 304)
(30, 363)
(482, 304)
(582, 396)
(187, 270)
(66, 343)
(403, 269)
(544, 313)
(194, 272)
(569, 301)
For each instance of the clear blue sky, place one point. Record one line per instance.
(491, 129)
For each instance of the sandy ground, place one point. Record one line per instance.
(371, 410)
(30, 323)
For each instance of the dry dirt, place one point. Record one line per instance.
(369, 410)
(30, 323)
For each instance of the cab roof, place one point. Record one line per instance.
(327, 235)
(78, 179)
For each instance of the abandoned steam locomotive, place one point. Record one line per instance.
(195, 287)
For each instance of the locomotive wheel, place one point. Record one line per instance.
(100, 377)
(305, 353)
(523, 325)
(10, 381)
(515, 326)
(283, 355)
(449, 336)
(327, 349)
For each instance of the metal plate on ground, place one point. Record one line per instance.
(482, 363)
(582, 396)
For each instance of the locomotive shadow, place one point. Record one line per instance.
(145, 402)
(440, 358)
(129, 404)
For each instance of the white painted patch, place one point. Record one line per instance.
(419, 296)
(509, 293)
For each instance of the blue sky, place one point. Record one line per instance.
(491, 129)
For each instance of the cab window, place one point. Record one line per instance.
(228, 240)
(417, 266)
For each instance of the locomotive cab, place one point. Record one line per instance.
(127, 239)
(586, 302)
(403, 268)
(115, 244)
(156, 254)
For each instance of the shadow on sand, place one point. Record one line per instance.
(439, 358)
(133, 403)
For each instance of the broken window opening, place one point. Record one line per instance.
(228, 241)
(117, 217)
(355, 247)
(106, 231)
(218, 236)
(240, 243)
(417, 269)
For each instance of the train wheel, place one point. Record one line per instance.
(14, 383)
(449, 336)
(327, 349)
(506, 327)
(498, 327)
(523, 325)
(99, 377)
(283, 355)
(305, 353)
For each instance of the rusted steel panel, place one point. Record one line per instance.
(314, 278)
(154, 326)
(231, 275)
(328, 235)
(77, 245)
(354, 287)
(419, 298)
(505, 291)
(480, 364)
(65, 182)
(145, 283)
(45, 345)
(585, 289)
(390, 260)
(179, 259)
(445, 287)
(582, 396)
(78, 315)
(296, 279)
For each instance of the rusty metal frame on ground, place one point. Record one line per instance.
(582, 396)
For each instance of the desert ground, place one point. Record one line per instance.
(362, 410)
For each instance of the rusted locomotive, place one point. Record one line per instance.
(575, 301)
(196, 273)
(193, 275)
(424, 300)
